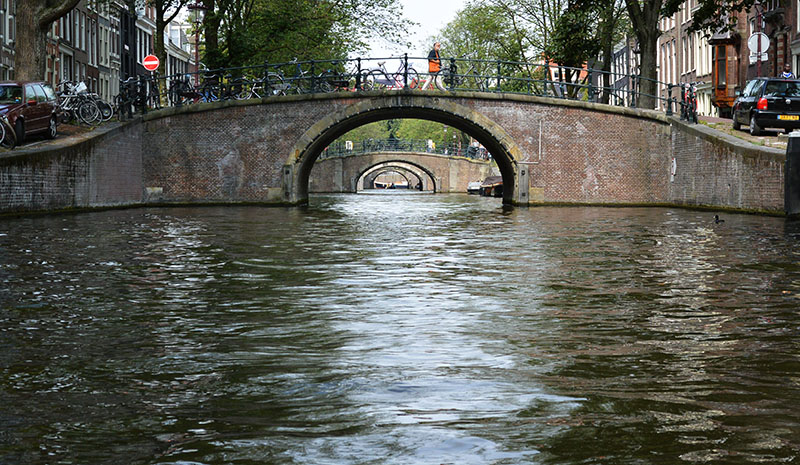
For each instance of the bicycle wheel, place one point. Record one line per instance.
(275, 85)
(8, 139)
(106, 111)
(88, 113)
(413, 78)
(324, 81)
(476, 82)
(372, 80)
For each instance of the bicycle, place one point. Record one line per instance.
(473, 77)
(8, 136)
(306, 82)
(381, 78)
(181, 91)
(125, 100)
(689, 103)
(75, 104)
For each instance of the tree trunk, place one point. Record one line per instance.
(33, 19)
(606, 31)
(645, 25)
(648, 73)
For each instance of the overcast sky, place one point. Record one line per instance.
(432, 15)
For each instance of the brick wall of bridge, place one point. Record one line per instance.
(102, 171)
(577, 153)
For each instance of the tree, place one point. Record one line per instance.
(645, 15)
(250, 32)
(166, 11)
(34, 18)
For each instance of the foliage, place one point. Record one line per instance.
(572, 42)
(482, 31)
(251, 32)
(711, 15)
(407, 129)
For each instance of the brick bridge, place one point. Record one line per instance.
(435, 172)
(549, 151)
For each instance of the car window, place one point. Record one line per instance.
(10, 94)
(40, 97)
(29, 93)
(48, 92)
(753, 88)
(782, 89)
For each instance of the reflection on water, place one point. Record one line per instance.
(399, 329)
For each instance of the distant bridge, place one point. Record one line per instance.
(435, 172)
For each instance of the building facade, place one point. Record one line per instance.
(722, 62)
(98, 43)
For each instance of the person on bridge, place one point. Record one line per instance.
(434, 66)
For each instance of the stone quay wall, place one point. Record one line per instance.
(234, 152)
(102, 171)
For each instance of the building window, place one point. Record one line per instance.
(721, 69)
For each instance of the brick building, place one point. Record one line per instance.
(722, 61)
(97, 43)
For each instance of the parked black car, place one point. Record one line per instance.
(31, 108)
(768, 103)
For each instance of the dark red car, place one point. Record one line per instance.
(31, 108)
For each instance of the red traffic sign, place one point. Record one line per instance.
(150, 62)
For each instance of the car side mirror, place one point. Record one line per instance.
(32, 102)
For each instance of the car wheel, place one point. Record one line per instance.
(755, 130)
(52, 128)
(736, 124)
(19, 128)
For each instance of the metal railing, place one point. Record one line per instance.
(393, 73)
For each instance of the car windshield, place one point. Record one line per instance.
(10, 94)
(782, 89)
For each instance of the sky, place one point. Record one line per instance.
(432, 15)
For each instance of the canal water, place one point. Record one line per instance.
(399, 329)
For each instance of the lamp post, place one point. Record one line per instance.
(199, 10)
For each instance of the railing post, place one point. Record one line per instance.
(452, 75)
(313, 77)
(684, 104)
(669, 100)
(591, 86)
(358, 73)
(634, 91)
(498, 75)
(142, 94)
(405, 71)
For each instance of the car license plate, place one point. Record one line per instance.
(789, 117)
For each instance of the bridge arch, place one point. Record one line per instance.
(418, 170)
(491, 135)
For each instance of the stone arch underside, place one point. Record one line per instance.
(422, 175)
(321, 134)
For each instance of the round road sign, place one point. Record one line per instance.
(753, 42)
(150, 63)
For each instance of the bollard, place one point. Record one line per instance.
(791, 179)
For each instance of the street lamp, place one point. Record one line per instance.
(199, 10)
